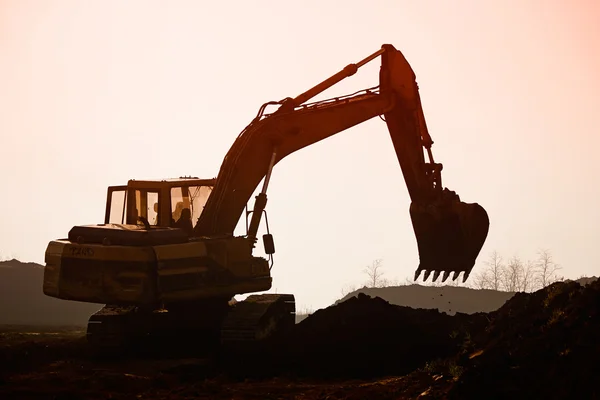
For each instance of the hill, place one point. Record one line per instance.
(22, 301)
(447, 299)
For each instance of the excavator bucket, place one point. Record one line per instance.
(450, 235)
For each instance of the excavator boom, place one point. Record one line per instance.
(449, 233)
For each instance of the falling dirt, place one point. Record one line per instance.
(539, 345)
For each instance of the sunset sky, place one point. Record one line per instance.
(93, 93)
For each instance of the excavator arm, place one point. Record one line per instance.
(449, 233)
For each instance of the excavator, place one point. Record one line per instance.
(166, 260)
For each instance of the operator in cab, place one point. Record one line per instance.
(185, 221)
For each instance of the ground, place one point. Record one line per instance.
(538, 345)
(52, 363)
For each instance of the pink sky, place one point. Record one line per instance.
(92, 90)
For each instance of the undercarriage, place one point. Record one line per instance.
(208, 328)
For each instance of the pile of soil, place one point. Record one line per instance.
(543, 345)
(365, 337)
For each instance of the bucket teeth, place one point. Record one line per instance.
(417, 274)
(465, 276)
(450, 233)
(445, 276)
(427, 273)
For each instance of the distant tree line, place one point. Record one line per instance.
(516, 275)
(511, 275)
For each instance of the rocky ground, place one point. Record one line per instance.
(539, 345)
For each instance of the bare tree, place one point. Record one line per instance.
(516, 275)
(385, 282)
(375, 273)
(481, 280)
(528, 277)
(495, 270)
(546, 268)
(512, 275)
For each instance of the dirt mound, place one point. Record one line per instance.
(22, 301)
(538, 344)
(366, 337)
(543, 345)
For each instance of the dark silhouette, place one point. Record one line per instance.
(537, 345)
(449, 232)
(185, 221)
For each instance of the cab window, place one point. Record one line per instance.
(192, 198)
(116, 213)
(147, 206)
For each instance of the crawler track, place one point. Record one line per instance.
(258, 317)
(209, 328)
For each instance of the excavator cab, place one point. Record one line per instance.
(147, 254)
(174, 203)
